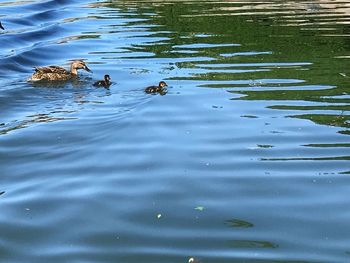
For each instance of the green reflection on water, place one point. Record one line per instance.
(243, 47)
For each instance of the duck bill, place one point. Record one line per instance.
(87, 69)
(1, 26)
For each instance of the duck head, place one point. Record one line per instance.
(1, 26)
(78, 64)
(162, 84)
(107, 79)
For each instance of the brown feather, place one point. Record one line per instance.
(53, 73)
(51, 69)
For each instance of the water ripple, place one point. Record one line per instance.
(245, 158)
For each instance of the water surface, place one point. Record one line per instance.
(245, 159)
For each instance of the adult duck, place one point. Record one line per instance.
(106, 82)
(156, 89)
(56, 73)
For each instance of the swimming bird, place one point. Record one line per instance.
(56, 73)
(155, 89)
(1, 26)
(104, 83)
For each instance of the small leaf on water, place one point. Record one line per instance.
(199, 208)
(193, 260)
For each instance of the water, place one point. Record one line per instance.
(245, 159)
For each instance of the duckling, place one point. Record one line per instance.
(104, 83)
(1, 26)
(155, 89)
(56, 73)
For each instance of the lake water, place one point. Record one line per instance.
(245, 159)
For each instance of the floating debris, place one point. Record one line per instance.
(217, 107)
(264, 146)
(193, 260)
(199, 208)
(249, 116)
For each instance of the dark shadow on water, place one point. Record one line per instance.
(238, 223)
(33, 119)
(252, 244)
(55, 101)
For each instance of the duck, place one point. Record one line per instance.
(56, 73)
(1, 26)
(104, 83)
(155, 89)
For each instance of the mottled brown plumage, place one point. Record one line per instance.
(156, 89)
(56, 73)
(104, 83)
